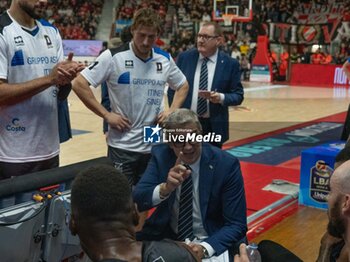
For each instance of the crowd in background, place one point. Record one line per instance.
(283, 11)
(75, 19)
(181, 17)
(4, 5)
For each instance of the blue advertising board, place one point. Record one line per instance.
(279, 148)
(260, 73)
(317, 164)
(121, 23)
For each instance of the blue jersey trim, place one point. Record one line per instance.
(157, 50)
(148, 59)
(31, 32)
(46, 23)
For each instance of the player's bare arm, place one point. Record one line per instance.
(62, 74)
(179, 98)
(82, 88)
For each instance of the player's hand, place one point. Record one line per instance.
(76, 65)
(117, 121)
(163, 115)
(73, 67)
(243, 256)
(215, 97)
(176, 176)
(64, 72)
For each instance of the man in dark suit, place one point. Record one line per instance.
(216, 214)
(223, 86)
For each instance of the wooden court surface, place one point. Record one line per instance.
(265, 108)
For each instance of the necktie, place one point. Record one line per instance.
(185, 223)
(202, 107)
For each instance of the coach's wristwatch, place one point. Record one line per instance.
(205, 252)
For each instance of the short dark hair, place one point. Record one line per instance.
(101, 192)
(147, 17)
(343, 155)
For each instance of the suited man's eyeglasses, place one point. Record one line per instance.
(179, 144)
(180, 140)
(206, 38)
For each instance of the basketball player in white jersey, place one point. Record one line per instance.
(136, 74)
(31, 76)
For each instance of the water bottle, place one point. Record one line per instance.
(253, 253)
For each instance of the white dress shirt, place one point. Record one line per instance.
(211, 64)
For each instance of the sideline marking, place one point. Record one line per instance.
(260, 88)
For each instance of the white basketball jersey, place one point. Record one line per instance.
(136, 90)
(29, 129)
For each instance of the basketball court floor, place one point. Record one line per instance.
(267, 109)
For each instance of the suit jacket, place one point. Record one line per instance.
(221, 196)
(226, 80)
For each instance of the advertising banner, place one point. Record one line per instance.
(82, 47)
(318, 75)
(260, 73)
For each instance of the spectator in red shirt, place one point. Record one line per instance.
(327, 58)
(317, 57)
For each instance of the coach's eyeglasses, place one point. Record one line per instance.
(182, 144)
(207, 38)
(190, 139)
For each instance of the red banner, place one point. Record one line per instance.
(318, 75)
(308, 34)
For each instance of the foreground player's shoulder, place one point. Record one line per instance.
(161, 52)
(45, 23)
